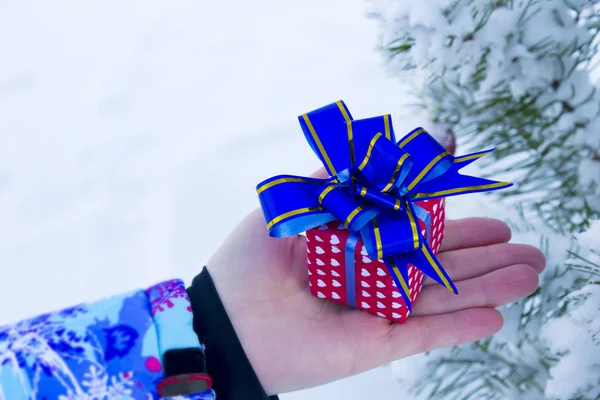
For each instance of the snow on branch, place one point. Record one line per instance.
(515, 75)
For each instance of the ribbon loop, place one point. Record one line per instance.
(364, 129)
(432, 161)
(346, 208)
(382, 200)
(383, 166)
(328, 130)
(290, 204)
(392, 233)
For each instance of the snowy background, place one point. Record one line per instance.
(132, 135)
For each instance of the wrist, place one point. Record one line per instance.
(182, 357)
(227, 361)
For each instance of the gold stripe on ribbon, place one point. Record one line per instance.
(377, 239)
(291, 214)
(319, 145)
(369, 150)
(352, 215)
(350, 134)
(435, 267)
(411, 137)
(413, 226)
(403, 284)
(269, 185)
(461, 190)
(363, 191)
(467, 158)
(386, 122)
(397, 205)
(398, 166)
(325, 192)
(425, 170)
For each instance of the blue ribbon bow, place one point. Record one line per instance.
(373, 184)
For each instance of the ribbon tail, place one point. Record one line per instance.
(399, 273)
(424, 260)
(427, 262)
(452, 183)
(424, 216)
(467, 159)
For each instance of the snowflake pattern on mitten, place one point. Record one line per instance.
(106, 350)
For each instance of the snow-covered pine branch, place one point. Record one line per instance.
(515, 75)
(575, 333)
(532, 357)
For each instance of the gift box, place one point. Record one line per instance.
(369, 285)
(375, 225)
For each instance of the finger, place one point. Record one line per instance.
(470, 263)
(425, 333)
(474, 232)
(320, 174)
(490, 290)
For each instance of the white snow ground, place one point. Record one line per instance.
(132, 135)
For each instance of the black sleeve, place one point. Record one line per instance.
(226, 362)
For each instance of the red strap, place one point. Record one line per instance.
(184, 384)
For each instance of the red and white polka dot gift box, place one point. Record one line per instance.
(374, 289)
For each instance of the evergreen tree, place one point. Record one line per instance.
(514, 75)
(549, 346)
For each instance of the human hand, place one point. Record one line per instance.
(296, 341)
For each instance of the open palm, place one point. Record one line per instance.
(296, 341)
